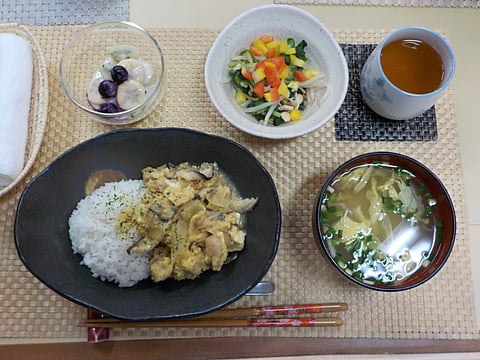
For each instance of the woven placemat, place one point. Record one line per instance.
(435, 310)
(403, 3)
(355, 120)
(57, 12)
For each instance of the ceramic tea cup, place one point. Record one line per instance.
(407, 72)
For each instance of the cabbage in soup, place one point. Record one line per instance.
(379, 223)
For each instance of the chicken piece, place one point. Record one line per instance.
(235, 240)
(216, 249)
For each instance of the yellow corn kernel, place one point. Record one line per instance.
(258, 75)
(260, 45)
(283, 90)
(240, 97)
(296, 61)
(295, 115)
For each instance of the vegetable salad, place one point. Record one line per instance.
(273, 81)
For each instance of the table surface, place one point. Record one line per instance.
(463, 28)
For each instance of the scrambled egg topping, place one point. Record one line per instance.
(189, 220)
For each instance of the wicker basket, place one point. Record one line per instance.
(38, 103)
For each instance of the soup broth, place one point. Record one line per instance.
(379, 223)
(412, 65)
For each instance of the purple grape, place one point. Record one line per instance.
(107, 88)
(119, 74)
(109, 107)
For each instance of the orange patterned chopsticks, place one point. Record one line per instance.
(278, 316)
(275, 310)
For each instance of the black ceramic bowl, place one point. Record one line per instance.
(41, 223)
(434, 246)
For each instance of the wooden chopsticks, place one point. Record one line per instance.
(267, 316)
(262, 322)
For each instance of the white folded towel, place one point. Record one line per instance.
(16, 70)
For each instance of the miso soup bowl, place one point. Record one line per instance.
(402, 241)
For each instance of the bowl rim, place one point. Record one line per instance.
(109, 118)
(317, 226)
(81, 300)
(259, 129)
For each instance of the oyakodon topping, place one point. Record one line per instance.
(189, 220)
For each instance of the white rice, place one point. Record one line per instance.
(93, 235)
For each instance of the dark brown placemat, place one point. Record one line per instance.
(356, 122)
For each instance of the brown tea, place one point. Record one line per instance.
(412, 65)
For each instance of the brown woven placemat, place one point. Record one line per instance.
(401, 3)
(435, 310)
